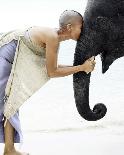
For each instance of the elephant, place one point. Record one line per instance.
(102, 34)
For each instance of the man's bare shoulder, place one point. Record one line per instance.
(51, 33)
(47, 32)
(45, 35)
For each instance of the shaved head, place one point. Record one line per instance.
(69, 17)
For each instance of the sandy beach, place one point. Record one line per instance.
(72, 142)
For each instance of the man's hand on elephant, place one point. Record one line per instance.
(88, 65)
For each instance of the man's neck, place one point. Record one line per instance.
(63, 37)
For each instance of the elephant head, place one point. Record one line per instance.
(102, 33)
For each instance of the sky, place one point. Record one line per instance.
(16, 14)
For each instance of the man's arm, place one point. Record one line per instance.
(52, 45)
(61, 66)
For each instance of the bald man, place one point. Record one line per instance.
(70, 24)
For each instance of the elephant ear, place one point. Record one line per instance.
(113, 45)
(108, 59)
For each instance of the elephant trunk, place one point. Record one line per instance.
(81, 83)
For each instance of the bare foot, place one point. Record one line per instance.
(16, 153)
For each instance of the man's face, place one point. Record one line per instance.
(76, 30)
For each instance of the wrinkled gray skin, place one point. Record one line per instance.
(103, 33)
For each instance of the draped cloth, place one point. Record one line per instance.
(28, 73)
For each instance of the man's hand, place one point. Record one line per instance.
(88, 65)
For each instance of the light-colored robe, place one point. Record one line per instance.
(28, 73)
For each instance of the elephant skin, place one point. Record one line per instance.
(102, 33)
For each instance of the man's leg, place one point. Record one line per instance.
(9, 141)
(9, 137)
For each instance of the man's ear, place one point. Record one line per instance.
(69, 27)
